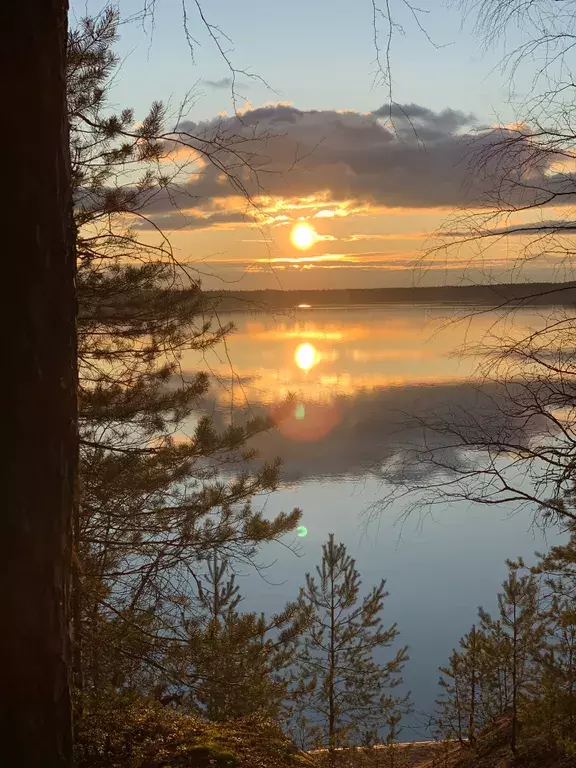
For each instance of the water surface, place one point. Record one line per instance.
(351, 373)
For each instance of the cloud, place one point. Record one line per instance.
(405, 156)
(225, 83)
(424, 123)
(193, 220)
(344, 155)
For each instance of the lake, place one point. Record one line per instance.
(349, 372)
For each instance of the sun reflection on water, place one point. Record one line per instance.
(310, 376)
(339, 353)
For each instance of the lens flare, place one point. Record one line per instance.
(303, 236)
(305, 423)
(301, 531)
(306, 356)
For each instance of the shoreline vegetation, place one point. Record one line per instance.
(506, 294)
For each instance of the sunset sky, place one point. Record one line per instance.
(367, 197)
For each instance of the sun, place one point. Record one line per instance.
(306, 356)
(303, 236)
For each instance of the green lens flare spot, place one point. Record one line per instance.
(301, 531)
(300, 411)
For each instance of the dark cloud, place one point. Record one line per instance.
(405, 156)
(192, 220)
(225, 83)
(426, 124)
(346, 155)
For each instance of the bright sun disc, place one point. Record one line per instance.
(303, 236)
(306, 356)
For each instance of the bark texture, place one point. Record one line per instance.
(39, 466)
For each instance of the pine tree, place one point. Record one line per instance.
(39, 423)
(392, 723)
(519, 635)
(553, 710)
(451, 714)
(461, 707)
(498, 669)
(237, 663)
(154, 502)
(556, 695)
(498, 684)
(559, 564)
(344, 693)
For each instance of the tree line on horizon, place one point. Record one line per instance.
(521, 294)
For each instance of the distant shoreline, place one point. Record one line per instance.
(506, 294)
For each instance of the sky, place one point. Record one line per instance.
(368, 196)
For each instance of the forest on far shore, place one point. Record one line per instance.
(520, 294)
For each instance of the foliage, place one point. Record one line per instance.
(518, 636)
(344, 696)
(161, 496)
(518, 668)
(128, 730)
(554, 717)
(461, 708)
(159, 488)
(237, 663)
(492, 750)
(516, 446)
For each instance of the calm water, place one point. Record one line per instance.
(350, 372)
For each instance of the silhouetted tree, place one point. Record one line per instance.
(237, 663)
(40, 419)
(556, 687)
(460, 709)
(520, 626)
(160, 484)
(344, 693)
(498, 670)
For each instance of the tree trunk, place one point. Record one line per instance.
(76, 618)
(473, 663)
(332, 661)
(514, 736)
(39, 422)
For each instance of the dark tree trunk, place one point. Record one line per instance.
(331, 684)
(473, 681)
(39, 420)
(514, 736)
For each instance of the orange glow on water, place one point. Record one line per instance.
(305, 422)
